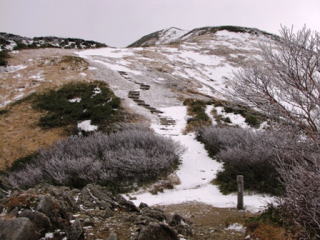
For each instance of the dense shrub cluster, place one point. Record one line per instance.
(120, 160)
(245, 152)
(76, 102)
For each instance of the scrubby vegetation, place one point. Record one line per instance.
(120, 161)
(252, 118)
(196, 108)
(76, 102)
(244, 152)
(4, 58)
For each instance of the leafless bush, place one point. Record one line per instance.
(299, 168)
(121, 159)
(286, 85)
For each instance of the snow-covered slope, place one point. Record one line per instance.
(164, 36)
(200, 64)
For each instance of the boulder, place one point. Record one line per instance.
(93, 196)
(157, 231)
(180, 224)
(18, 229)
(40, 220)
(75, 231)
(52, 208)
(153, 213)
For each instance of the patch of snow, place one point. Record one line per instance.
(11, 69)
(208, 111)
(38, 76)
(48, 236)
(92, 68)
(106, 52)
(236, 119)
(237, 227)
(96, 91)
(75, 100)
(83, 74)
(87, 126)
(116, 67)
(170, 35)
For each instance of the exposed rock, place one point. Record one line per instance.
(97, 196)
(157, 231)
(153, 213)
(174, 179)
(40, 220)
(18, 229)
(75, 232)
(51, 207)
(90, 213)
(180, 224)
(143, 205)
(112, 236)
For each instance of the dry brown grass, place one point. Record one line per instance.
(269, 232)
(209, 222)
(45, 68)
(20, 135)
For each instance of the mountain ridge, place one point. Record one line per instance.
(9, 41)
(154, 38)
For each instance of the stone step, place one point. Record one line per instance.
(134, 97)
(144, 87)
(138, 100)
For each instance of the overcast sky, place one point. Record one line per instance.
(121, 22)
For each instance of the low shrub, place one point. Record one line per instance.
(120, 161)
(252, 118)
(244, 152)
(3, 111)
(196, 108)
(4, 58)
(78, 101)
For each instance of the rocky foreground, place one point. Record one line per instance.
(50, 212)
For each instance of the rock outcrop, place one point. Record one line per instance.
(51, 212)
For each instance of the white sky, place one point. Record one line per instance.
(121, 22)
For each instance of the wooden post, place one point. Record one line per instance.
(240, 192)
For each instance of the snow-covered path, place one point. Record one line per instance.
(196, 171)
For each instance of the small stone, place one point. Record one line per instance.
(18, 229)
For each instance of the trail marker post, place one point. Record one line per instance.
(240, 192)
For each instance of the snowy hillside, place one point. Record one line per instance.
(201, 65)
(165, 36)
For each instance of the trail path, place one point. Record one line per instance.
(196, 171)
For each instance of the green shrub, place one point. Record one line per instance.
(196, 109)
(97, 103)
(3, 111)
(259, 176)
(4, 58)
